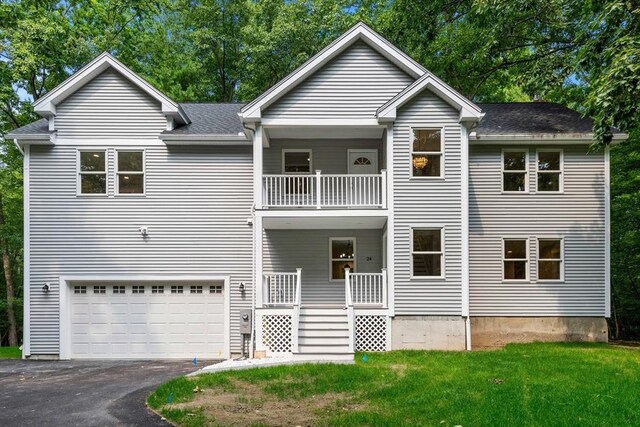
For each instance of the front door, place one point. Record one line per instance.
(363, 162)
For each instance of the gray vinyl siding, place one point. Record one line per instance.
(427, 202)
(286, 250)
(329, 156)
(196, 207)
(353, 85)
(577, 215)
(109, 106)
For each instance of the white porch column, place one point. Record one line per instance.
(257, 166)
(390, 222)
(257, 239)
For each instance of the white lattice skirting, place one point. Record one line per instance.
(276, 333)
(371, 333)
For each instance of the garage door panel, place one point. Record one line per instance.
(146, 325)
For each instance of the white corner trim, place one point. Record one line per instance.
(607, 232)
(465, 226)
(252, 111)
(26, 329)
(390, 222)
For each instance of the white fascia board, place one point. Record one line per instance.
(542, 138)
(468, 110)
(252, 111)
(205, 139)
(46, 105)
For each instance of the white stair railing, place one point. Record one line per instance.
(325, 191)
(280, 288)
(369, 289)
(295, 319)
(349, 307)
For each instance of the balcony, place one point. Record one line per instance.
(323, 191)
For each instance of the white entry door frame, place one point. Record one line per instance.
(362, 161)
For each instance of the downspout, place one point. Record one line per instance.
(253, 263)
(15, 141)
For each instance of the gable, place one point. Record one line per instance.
(109, 106)
(353, 85)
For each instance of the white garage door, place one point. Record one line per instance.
(147, 321)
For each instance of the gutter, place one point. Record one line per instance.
(204, 138)
(541, 137)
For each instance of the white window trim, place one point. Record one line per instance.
(79, 173)
(561, 170)
(143, 173)
(331, 259)
(503, 258)
(526, 170)
(561, 259)
(298, 150)
(440, 153)
(442, 252)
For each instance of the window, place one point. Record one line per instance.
(93, 172)
(550, 254)
(515, 259)
(118, 289)
(79, 289)
(296, 161)
(426, 153)
(195, 289)
(549, 171)
(100, 289)
(426, 252)
(177, 289)
(138, 290)
(215, 289)
(157, 289)
(130, 172)
(342, 255)
(514, 170)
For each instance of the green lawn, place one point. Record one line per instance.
(526, 384)
(10, 353)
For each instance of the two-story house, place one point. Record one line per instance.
(359, 204)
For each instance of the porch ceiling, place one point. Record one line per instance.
(323, 223)
(325, 132)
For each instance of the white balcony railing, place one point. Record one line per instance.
(281, 288)
(368, 289)
(325, 191)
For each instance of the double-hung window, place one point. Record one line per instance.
(426, 252)
(549, 168)
(426, 153)
(343, 256)
(130, 172)
(514, 171)
(550, 259)
(92, 172)
(515, 259)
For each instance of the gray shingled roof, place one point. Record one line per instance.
(514, 118)
(38, 127)
(531, 118)
(210, 119)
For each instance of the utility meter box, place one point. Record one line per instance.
(245, 321)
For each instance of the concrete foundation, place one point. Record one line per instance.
(492, 332)
(427, 333)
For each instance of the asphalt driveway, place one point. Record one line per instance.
(83, 393)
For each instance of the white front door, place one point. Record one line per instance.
(363, 162)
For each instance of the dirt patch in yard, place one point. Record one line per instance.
(248, 404)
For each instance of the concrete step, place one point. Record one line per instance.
(323, 341)
(337, 332)
(322, 319)
(346, 358)
(323, 348)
